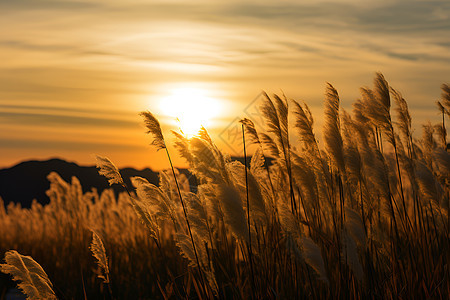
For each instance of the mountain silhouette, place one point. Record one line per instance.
(28, 180)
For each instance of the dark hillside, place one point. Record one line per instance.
(28, 180)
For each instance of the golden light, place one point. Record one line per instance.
(190, 108)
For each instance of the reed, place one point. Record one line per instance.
(364, 216)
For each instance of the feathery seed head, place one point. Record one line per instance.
(98, 251)
(403, 116)
(250, 129)
(109, 170)
(154, 129)
(34, 282)
(304, 123)
(313, 257)
(234, 214)
(331, 131)
(382, 91)
(446, 98)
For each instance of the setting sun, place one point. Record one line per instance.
(190, 108)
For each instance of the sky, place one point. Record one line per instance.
(74, 75)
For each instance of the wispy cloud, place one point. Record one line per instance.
(73, 62)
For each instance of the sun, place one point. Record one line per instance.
(190, 108)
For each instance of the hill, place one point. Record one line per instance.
(28, 180)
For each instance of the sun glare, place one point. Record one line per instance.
(190, 108)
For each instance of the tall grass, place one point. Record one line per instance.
(365, 216)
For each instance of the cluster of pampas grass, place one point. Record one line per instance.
(366, 216)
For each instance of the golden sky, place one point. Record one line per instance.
(75, 74)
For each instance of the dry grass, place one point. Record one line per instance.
(365, 217)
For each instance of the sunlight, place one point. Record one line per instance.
(190, 108)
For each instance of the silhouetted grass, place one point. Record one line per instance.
(365, 216)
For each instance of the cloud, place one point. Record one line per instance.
(202, 33)
(67, 145)
(66, 117)
(54, 5)
(62, 59)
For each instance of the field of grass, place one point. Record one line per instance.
(362, 215)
